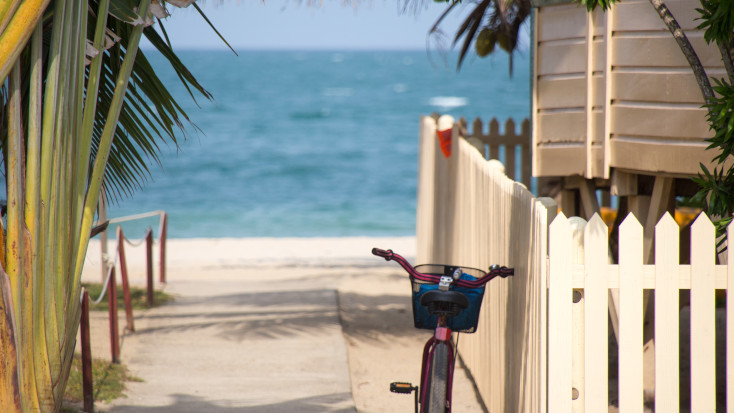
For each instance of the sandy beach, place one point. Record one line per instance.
(351, 310)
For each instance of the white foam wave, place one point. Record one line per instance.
(448, 101)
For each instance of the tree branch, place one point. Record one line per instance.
(727, 59)
(685, 46)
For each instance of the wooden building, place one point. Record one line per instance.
(615, 103)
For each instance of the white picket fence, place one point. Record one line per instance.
(543, 339)
(469, 213)
(578, 328)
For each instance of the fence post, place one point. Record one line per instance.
(87, 381)
(164, 236)
(630, 349)
(125, 283)
(149, 266)
(667, 316)
(102, 211)
(578, 391)
(596, 315)
(510, 159)
(527, 157)
(560, 273)
(703, 316)
(112, 306)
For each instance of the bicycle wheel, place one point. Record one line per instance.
(437, 380)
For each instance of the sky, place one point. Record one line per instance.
(294, 24)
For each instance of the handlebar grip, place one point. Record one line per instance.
(505, 272)
(386, 254)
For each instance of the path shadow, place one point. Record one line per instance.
(263, 299)
(239, 317)
(183, 403)
(378, 318)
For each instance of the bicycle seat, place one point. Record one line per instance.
(448, 303)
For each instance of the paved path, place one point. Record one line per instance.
(249, 333)
(237, 343)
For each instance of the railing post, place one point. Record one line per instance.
(149, 259)
(87, 382)
(102, 211)
(163, 232)
(125, 283)
(112, 306)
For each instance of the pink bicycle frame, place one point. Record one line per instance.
(442, 335)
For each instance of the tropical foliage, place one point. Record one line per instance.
(76, 96)
(490, 25)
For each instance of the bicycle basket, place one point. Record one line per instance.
(466, 322)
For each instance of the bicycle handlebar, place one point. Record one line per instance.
(389, 255)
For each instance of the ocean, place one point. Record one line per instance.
(312, 143)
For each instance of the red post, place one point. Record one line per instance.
(87, 382)
(164, 236)
(149, 259)
(125, 283)
(114, 331)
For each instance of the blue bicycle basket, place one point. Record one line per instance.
(466, 322)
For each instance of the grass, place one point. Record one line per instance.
(108, 379)
(138, 296)
(108, 383)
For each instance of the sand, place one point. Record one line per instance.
(316, 324)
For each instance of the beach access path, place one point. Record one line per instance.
(272, 325)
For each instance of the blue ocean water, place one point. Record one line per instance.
(313, 143)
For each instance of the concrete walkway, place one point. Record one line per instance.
(235, 341)
(304, 326)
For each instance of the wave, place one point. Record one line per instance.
(448, 101)
(400, 88)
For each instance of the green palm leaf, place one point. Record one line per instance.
(67, 130)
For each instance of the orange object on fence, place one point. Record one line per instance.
(444, 130)
(444, 140)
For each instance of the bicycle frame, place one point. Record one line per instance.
(441, 335)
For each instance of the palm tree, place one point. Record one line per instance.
(69, 107)
(490, 23)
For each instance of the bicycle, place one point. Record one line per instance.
(446, 299)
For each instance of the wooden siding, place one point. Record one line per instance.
(645, 95)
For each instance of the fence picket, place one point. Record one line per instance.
(667, 365)
(578, 225)
(425, 214)
(630, 316)
(703, 317)
(596, 368)
(559, 316)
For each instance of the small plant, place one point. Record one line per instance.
(108, 382)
